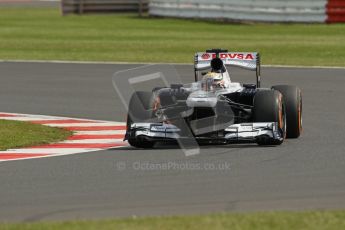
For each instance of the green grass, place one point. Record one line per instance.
(44, 34)
(15, 134)
(263, 221)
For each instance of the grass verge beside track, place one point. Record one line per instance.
(270, 220)
(16, 134)
(43, 34)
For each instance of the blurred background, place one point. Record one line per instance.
(286, 32)
(228, 10)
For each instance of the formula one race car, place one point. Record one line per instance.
(213, 109)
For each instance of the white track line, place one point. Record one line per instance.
(94, 141)
(85, 124)
(103, 132)
(28, 118)
(52, 151)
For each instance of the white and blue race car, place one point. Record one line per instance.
(213, 109)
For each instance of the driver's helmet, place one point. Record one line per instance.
(213, 80)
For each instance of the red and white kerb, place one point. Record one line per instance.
(88, 135)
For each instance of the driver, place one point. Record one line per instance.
(219, 76)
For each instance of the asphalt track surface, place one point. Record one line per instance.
(307, 173)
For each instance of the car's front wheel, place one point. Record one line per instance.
(141, 142)
(140, 110)
(269, 107)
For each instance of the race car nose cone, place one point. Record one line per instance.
(201, 99)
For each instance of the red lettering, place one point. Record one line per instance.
(223, 56)
(250, 56)
(232, 56)
(205, 56)
(241, 56)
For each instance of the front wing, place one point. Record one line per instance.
(236, 133)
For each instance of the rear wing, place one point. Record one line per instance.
(246, 60)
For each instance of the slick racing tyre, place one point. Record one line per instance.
(269, 107)
(140, 110)
(293, 102)
(141, 142)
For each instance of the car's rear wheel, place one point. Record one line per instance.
(269, 107)
(293, 101)
(140, 110)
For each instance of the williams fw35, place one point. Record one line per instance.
(215, 110)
